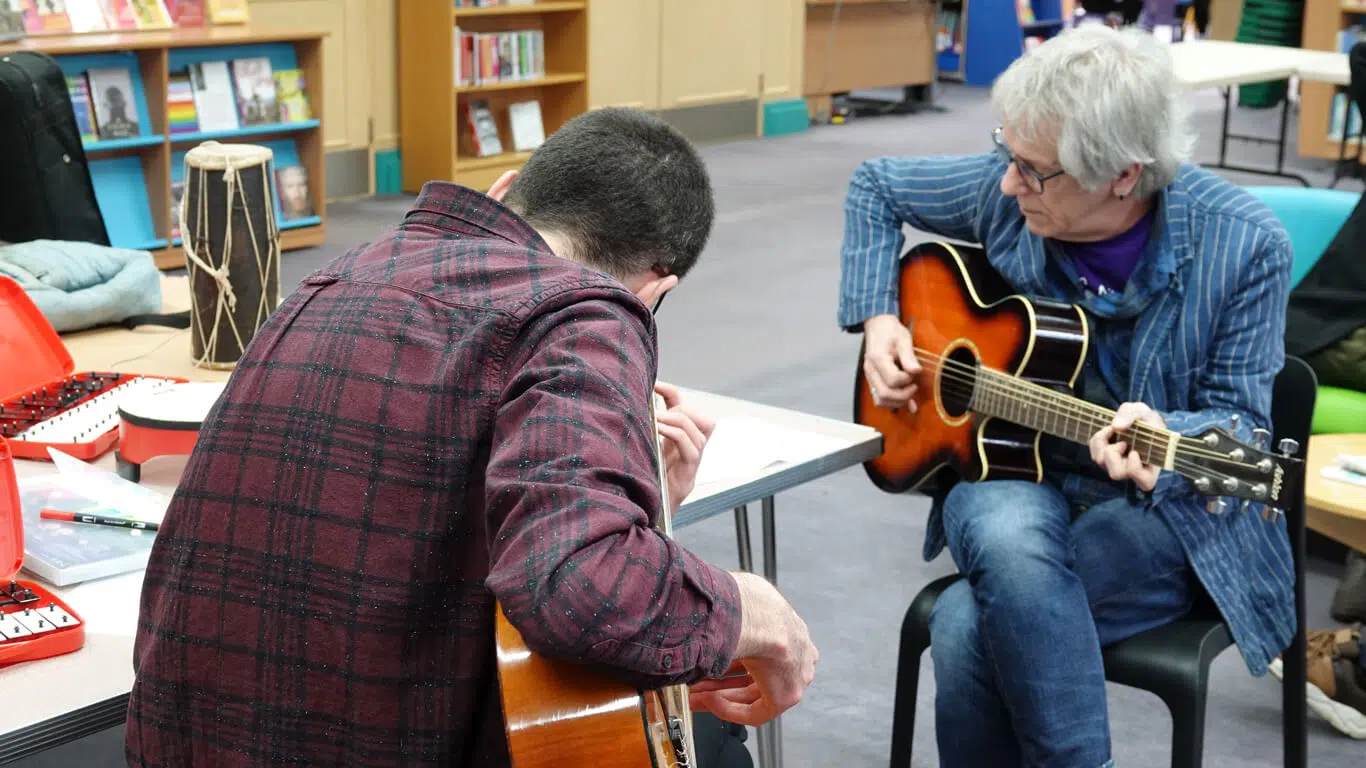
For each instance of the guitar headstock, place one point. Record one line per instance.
(1221, 467)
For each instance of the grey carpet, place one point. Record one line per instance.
(757, 320)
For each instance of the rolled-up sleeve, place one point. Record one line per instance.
(572, 493)
(944, 196)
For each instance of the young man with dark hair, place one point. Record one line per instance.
(455, 417)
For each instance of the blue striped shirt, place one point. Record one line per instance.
(1207, 344)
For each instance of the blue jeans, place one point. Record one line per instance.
(1016, 644)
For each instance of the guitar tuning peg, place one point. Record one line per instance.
(1243, 507)
(1261, 438)
(1216, 506)
(1270, 513)
(1289, 447)
(1236, 419)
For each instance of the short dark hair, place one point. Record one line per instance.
(628, 191)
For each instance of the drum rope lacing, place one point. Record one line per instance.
(221, 274)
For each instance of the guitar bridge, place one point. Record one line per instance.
(678, 741)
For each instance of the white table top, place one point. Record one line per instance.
(1217, 63)
(756, 451)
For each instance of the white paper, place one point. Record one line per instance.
(132, 499)
(741, 448)
(1343, 475)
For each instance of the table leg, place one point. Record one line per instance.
(1279, 142)
(775, 728)
(742, 538)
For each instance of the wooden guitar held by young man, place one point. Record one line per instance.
(560, 714)
(999, 371)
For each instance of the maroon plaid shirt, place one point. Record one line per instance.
(440, 419)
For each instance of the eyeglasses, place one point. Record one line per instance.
(1033, 179)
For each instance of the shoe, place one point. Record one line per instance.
(1334, 687)
(1349, 601)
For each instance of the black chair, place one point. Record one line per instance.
(1171, 661)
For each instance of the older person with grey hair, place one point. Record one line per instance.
(1086, 195)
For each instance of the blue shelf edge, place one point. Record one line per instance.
(254, 130)
(311, 221)
(146, 245)
(107, 145)
(297, 223)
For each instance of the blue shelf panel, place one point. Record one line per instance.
(949, 61)
(121, 195)
(307, 222)
(255, 130)
(281, 55)
(129, 143)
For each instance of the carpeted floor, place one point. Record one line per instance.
(757, 320)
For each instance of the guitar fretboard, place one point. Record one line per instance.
(1058, 414)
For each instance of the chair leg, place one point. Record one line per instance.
(915, 638)
(1188, 726)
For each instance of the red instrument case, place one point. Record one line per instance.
(42, 402)
(34, 623)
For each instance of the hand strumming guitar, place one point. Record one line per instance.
(1115, 457)
(685, 433)
(889, 362)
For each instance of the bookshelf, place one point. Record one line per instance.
(977, 39)
(1325, 28)
(436, 139)
(133, 176)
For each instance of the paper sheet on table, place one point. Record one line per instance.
(741, 447)
(108, 606)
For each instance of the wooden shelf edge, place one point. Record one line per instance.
(97, 42)
(548, 80)
(551, 6)
(290, 240)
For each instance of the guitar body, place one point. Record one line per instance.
(561, 714)
(963, 315)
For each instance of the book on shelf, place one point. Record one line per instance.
(291, 94)
(180, 111)
(116, 112)
(483, 129)
(177, 198)
(79, 89)
(50, 17)
(229, 12)
(490, 3)
(486, 58)
(528, 131)
(215, 104)
(291, 184)
(12, 21)
(255, 88)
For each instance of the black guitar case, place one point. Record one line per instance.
(45, 191)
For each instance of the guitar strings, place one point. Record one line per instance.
(1180, 463)
(1099, 417)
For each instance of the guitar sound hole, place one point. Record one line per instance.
(957, 377)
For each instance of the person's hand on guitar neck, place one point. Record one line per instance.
(775, 660)
(889, 362)
(685, 432)
(1113, 453)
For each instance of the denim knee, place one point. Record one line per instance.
(1006, 526)
(955, 631)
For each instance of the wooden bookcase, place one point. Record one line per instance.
(133, 176)
(434, 135)
(1323, 20)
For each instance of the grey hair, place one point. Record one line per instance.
(1110, 99)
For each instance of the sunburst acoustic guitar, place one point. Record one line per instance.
(999, 371)
(559, 714)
